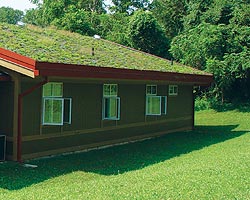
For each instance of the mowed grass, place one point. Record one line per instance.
(211, 162)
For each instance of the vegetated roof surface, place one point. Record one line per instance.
(57, 46)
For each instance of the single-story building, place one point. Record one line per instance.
(62, 92)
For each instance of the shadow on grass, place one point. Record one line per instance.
(116, 160)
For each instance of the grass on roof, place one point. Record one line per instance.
(211, 162)
(57, 46)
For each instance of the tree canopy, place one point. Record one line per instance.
(147, 35)
(10, 15)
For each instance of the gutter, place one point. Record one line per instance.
(20, 118)
(95, 72)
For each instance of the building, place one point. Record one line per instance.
(61, 92)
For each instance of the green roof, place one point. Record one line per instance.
(57, 46)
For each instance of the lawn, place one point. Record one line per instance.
(211, 162)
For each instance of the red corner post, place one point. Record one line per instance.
(20, 119)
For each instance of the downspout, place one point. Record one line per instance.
(20, 118)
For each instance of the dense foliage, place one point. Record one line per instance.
(147, 35)
(211, 35)
(219, 43)
(9, 15)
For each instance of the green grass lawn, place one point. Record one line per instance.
(212, 162)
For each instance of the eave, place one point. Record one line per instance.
(83, 71)
(18, 63)
(32, 68)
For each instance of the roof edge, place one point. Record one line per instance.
(23, 63)
(85, 71)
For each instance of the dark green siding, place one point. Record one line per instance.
(181, 105)
(88, 129)
(31, 110)
(86, 105)
(132, 103)
(6, 112)
(101, 137)
(6, 108)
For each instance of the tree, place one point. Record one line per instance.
(95, 6)
(75, 20)
(241, 15)
(49, 11)
(223, 50)
(34, 16)
(170, 14)
(129, 6)
(195, 9)
(195, 46)
(115, 29)
(9, 15)
(111, 26)
(147, 35)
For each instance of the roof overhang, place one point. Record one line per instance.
(31, 68)
(18, 63)
(83, 71)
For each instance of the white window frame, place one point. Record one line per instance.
(110, 91)
(110, 95)
(51, 83)
(173, 90)
(62, 110)
(117, 117)
(151, 90)
(152, 94)
(162, 110)
(147, 104)
(57, 98)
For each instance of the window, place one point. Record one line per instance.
(173, 90)
(151, 90)
(53, 90)
(110, 90)
(111, 103)
(155, 105)
(56, 109)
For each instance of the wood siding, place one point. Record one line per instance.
(89, 130)
(6, 112)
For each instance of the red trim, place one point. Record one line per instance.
(18, 59)
(84, 71)
(68, 70)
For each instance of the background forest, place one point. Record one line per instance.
(211, 35)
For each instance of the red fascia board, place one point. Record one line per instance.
(68, 70)
(18, 59)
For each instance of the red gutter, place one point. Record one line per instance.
(22, 61)
(83, 71)
(20, 106)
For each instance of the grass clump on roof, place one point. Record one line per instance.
(57, 46)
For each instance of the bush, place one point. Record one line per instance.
(202, 103)
(206, 103)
